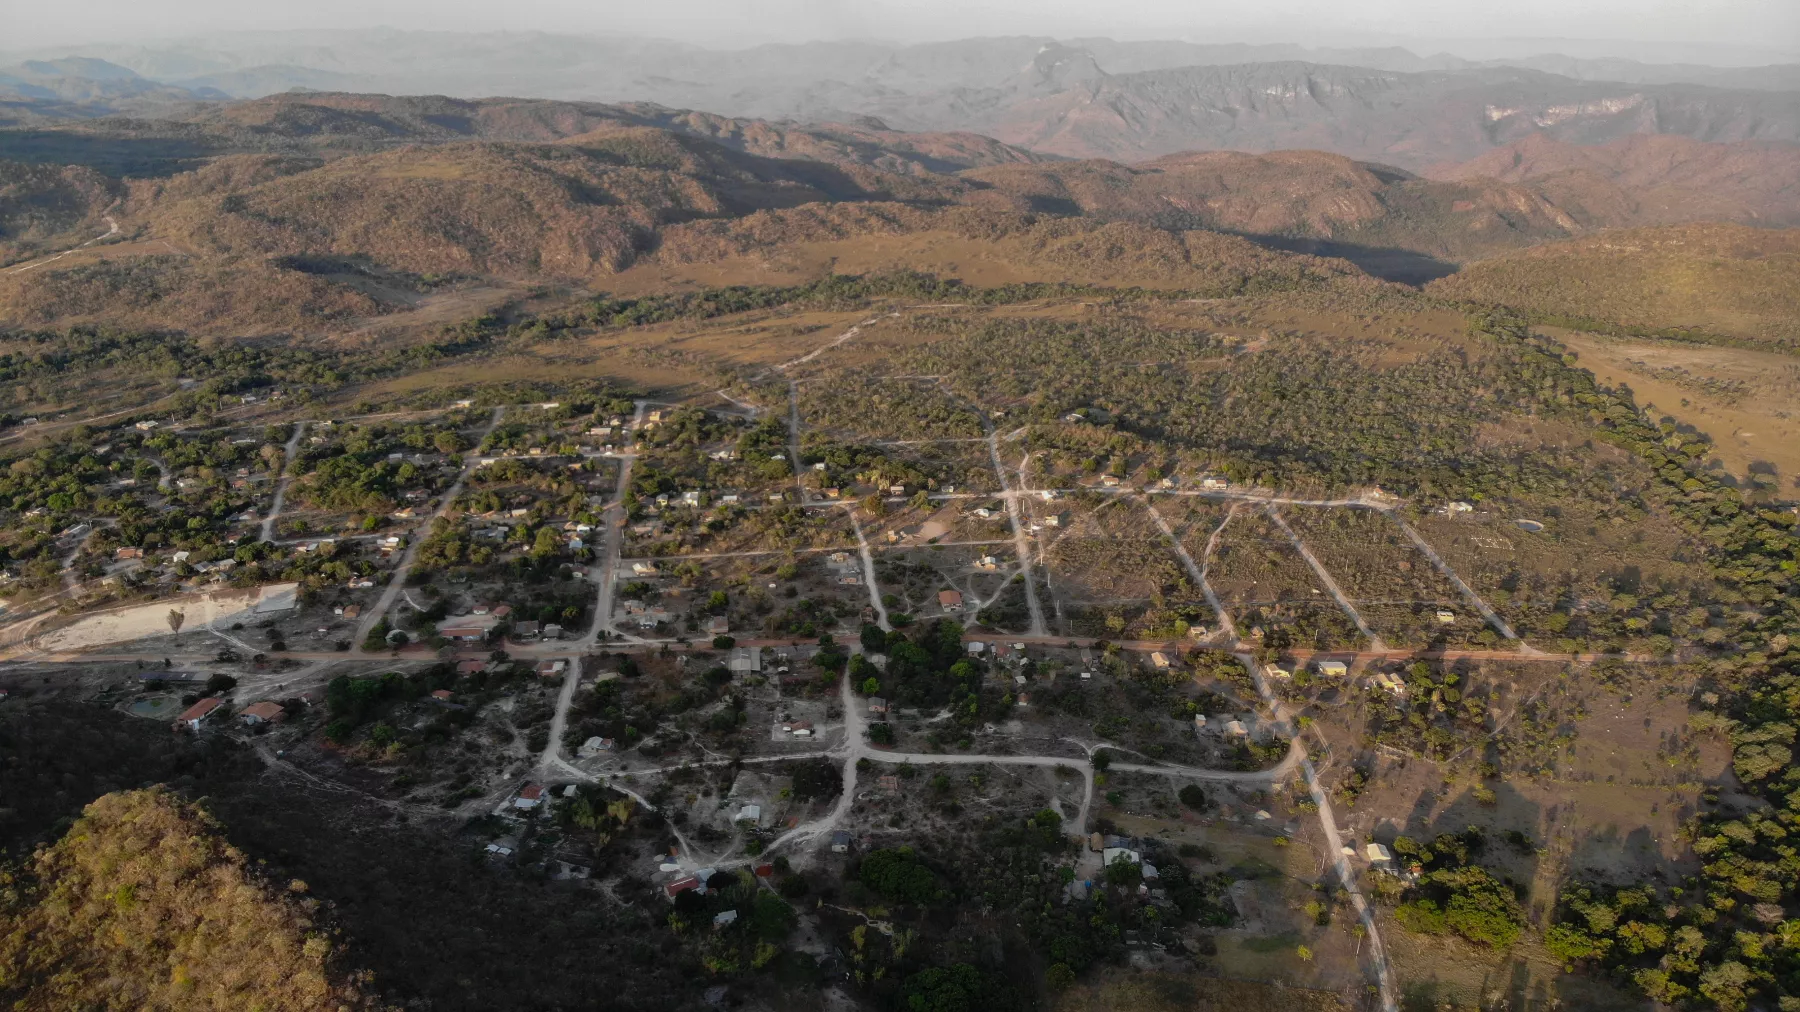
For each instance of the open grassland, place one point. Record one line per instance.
(1746, 402)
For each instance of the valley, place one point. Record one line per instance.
(1163, 536)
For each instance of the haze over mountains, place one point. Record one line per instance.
(1090, 98)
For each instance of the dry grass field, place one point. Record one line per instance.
(1747, 402)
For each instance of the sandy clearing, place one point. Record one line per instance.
(122, 625)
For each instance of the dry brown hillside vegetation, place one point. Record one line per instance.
(1715, 280)
(1650, 179)
(329, 214)
(143, 906)
(45, 205)
(1300, 194)
(334, 124)
(263, 244)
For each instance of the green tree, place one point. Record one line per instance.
(898, 874)
(545, 545)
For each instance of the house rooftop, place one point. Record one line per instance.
(199, 710)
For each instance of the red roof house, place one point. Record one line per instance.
(195, 715)
(266, 711)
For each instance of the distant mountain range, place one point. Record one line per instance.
(1093, 98)
(1065, 104)
(754, 81)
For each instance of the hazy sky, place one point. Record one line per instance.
(1770, 25)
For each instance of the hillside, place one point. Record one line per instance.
(322, 237)
(1295, 194)
(43, 204)
(143, 905)
(567, 210)
(333, 124)
(261, 244)
(1725, 280)
(319, 213)
(1651, 179)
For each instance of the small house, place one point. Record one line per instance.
(840, 842)
(724, 918)
(194, 716)
(950, 600)
(718, 625)
(1446, 617)
(530, 796)
(442, 695)
(1378, 854)
(265, 712)
(1160, 660)
(526, 630)
(552, 631)
(683, 884)
(467, 628)
(745, 660)
(1331, 669)
(877, 706)
(552, 668)
(593, 747)
(749, 813)
(1236, 729)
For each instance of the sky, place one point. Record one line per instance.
(1658, 29)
